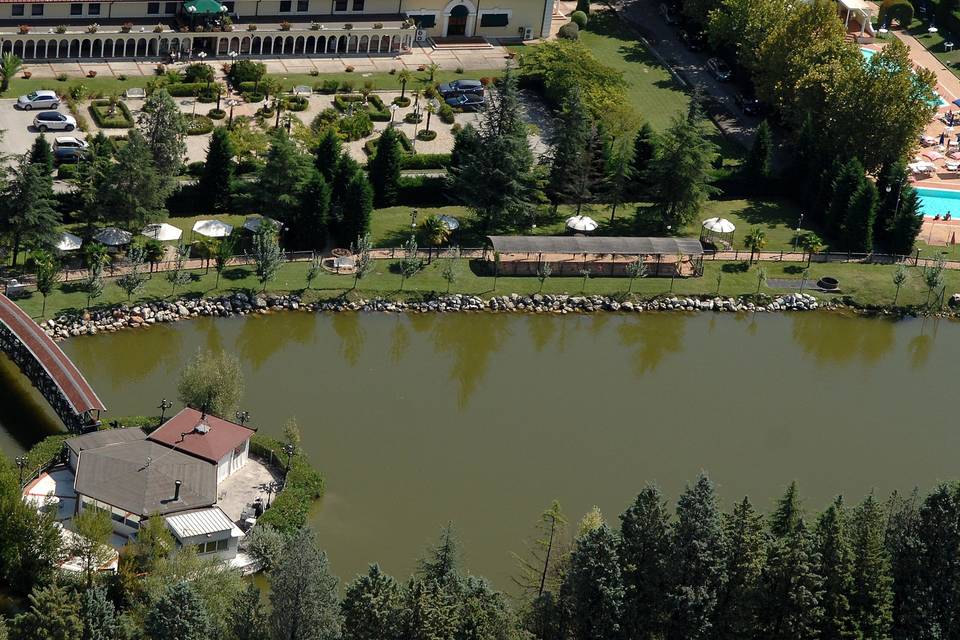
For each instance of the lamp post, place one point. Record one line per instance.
(232, 102)
(393, 112)
(288, 449)
(21, 463)
(164, 405)
(413, 218)
(796, 237)
(243, 417)
(896, 207)
(272, 487)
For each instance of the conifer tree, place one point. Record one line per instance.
(428, 611)
(903, 543)
(372, 606)
(788, 516)
(357, 208)
(308, 226)
(303, 592)
(248, 618)
(538, 569)
(844, 184)
(644, 552)
(759, 163)
(871, 601)
(939, 533)
(27, 215)
(98, 615)
(860, 218)
(164, 128)
(441, 564)
(744, 554)
(466, 143)
(42, 155)
(283, 171)
(906, 225)
(644, 148)
(595, 586)
(179, 614)
(216, 181)
(568, 142)
(53, 612)
(328, 153)
(791, 588)
(836, 569)
(384, 169)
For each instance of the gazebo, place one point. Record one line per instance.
(717, 231)
(252, 224)
(582, 224)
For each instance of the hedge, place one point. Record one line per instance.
(370, 147)
(198, 125)
(899, 10)
(425, 161)
(46, 451)
(66, 171)
(375, 107)
(121, 119)
(185, 89)
(304, 484)
(422, 191)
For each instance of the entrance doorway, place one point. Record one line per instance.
(457, 25)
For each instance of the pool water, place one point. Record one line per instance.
(937, 100)
(939, 201)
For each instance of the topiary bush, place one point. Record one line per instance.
(252, 97)
(185, 89)
(217, 114)
(427, 135)
(198, 72)
(413, 118)
(446, 114)
(402, 102)
(899, 10)
(246, 71)
(579, 18)
(198, 125)
(569, 31)
(296, 103)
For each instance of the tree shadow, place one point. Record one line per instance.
(237, 273)
(735, 267)
(770, 213)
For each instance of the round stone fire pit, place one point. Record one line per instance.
(828, 284)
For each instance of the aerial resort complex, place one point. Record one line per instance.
(479, 320)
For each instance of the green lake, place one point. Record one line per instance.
(482, 420)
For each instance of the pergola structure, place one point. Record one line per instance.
(603, 256)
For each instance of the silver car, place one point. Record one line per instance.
(42, 99)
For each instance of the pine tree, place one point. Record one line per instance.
(384, 169)
(860, 218)
(906, 225)
(939, 533)
(538, 569)
(697, 562)
(371, 607)
(179, 614)
(871, 602)
(744, 554)
(27, 215)
(644, 149)
(836, 569)
(428, 612)
(247, 615)
(589, 181)
(53, 613)
(466, 143)
(568, 143)
(843, 185)
(347, 168)
(595, 586)
(303, 592)
(283, 171)
(482, 612)
(98, 615)
(132, 192)
(357, 208)
(910, 591)
(788, 516)
(308, 227)
(644, 553)
(164, 128)
(759, 163)
(42, 155)
(791, 588)
(441, 564)
(216, 181)
(328, 153)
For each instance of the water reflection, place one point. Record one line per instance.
(260, 338)
(471, 340)
(399, 340)
(144, 351)
(652, 338)
(833, 339)
(921, 346)
(542, 331)
(24, 414)
(348, 328)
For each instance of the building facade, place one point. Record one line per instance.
(55, 29)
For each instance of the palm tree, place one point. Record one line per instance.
(430, 111)
(432, 69)
(434, 231)
(152, 253)
(404, 77)
(811, 243)
(10, 64)
(96, 256)
(755, 240)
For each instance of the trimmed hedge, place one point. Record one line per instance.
(426, 135)
(422, 191)
(198, 125)
(370, 147)
(304, 484)
(185, 89)
(217, 114)
(121, 119)
(46, 451)
(425, 161)
(569, 31)
(375, 107)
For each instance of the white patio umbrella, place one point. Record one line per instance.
(163, 232)
(451, 223)
(719, 225)
(582, 223)
(113, 237)
(212, 228)
(69, 242)
(252, 224)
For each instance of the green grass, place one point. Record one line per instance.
(868, 284)
(104, 85)
(382, 80)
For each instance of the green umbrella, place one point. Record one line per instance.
(203, 7)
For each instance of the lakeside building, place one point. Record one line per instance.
(111, 29)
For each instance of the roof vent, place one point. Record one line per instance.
(202, 428)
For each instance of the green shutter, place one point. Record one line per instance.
(494, 20)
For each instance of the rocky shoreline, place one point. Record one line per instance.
(143, 315)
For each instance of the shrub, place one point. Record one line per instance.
(402, 102)
(46, 451)
(66, 171)
(296, 103)
(579, 18)
(422, 191)
(456, 128)
(207, 95)
(899, 10)
(303, 485)
(346, 86)
(185, 89)
(425, 161)
(252, 97)
(285, 26)
(569, 31)
(122, 77)
(349, 68)
(198, 125)
(246, 71)
(61, 77)
(356, 126)
(327, 86)
(314, 72)
(195, 169)
(120, 119)
(217, 114)
(459, 70)
(61, 28)
(251, 27)
(426, 135)
(413, 118)
(446, 114)
(77, 91)
(198, 72)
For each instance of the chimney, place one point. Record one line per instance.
(176, 491)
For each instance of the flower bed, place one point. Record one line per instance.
(198, 125)
(375, 107)
(119, 119)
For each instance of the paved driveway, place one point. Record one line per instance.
(18, 131)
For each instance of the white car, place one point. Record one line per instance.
(42, 99)
(54, 121)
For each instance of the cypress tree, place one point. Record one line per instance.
(308, 227)
(384, 169)
(697, 563)
(595, 586)
(42, 155)
(906, 226)
(860, 218)
(216, 181)
(836, 568)
(788, 516)
(371, 606)
(568, 142)
(357, 207)
(872, 598)
(644, 148)
(328, 153)
(744, 554)
(644, 553)
(845, 183)
(759, 164)
(283, 171)
(791, 588)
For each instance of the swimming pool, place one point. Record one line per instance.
(942, 201)
(937, 100)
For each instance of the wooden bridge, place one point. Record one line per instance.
(48, 368)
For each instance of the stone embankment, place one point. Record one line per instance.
(141, 315)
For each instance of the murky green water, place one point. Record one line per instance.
(482, 420)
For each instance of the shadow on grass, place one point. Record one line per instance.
(769, 213)
(735, 267)
(236, 273)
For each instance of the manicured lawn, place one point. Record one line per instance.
(104, 85)
(382, 80)
(865, 283)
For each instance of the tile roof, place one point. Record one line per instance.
(96, 439)
(140, 476)
(221, 436)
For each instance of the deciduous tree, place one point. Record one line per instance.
(212, 382)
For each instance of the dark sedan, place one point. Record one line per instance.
(460, 87)
(468, 102)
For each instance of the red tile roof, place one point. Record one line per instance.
(181, 433)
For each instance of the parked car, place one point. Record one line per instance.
(468, 102)
(69, 148)
(669, 13)
(695, 41)
(42, 99)
(720, 69)
(54, 121)
(460, 87)
(749, 104)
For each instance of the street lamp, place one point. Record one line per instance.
(164, 405)
(21, 463)
(242, 417)
(393, 111)
(288, 449)
(232, 102)
(896, 208)
(233, 55)
(413, 218)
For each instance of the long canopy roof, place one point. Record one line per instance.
(598, 244)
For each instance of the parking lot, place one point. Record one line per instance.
(18, 131)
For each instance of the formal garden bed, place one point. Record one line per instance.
(111, 114)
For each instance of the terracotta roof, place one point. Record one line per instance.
(140, 477)
(96, 439)
(182, 433)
